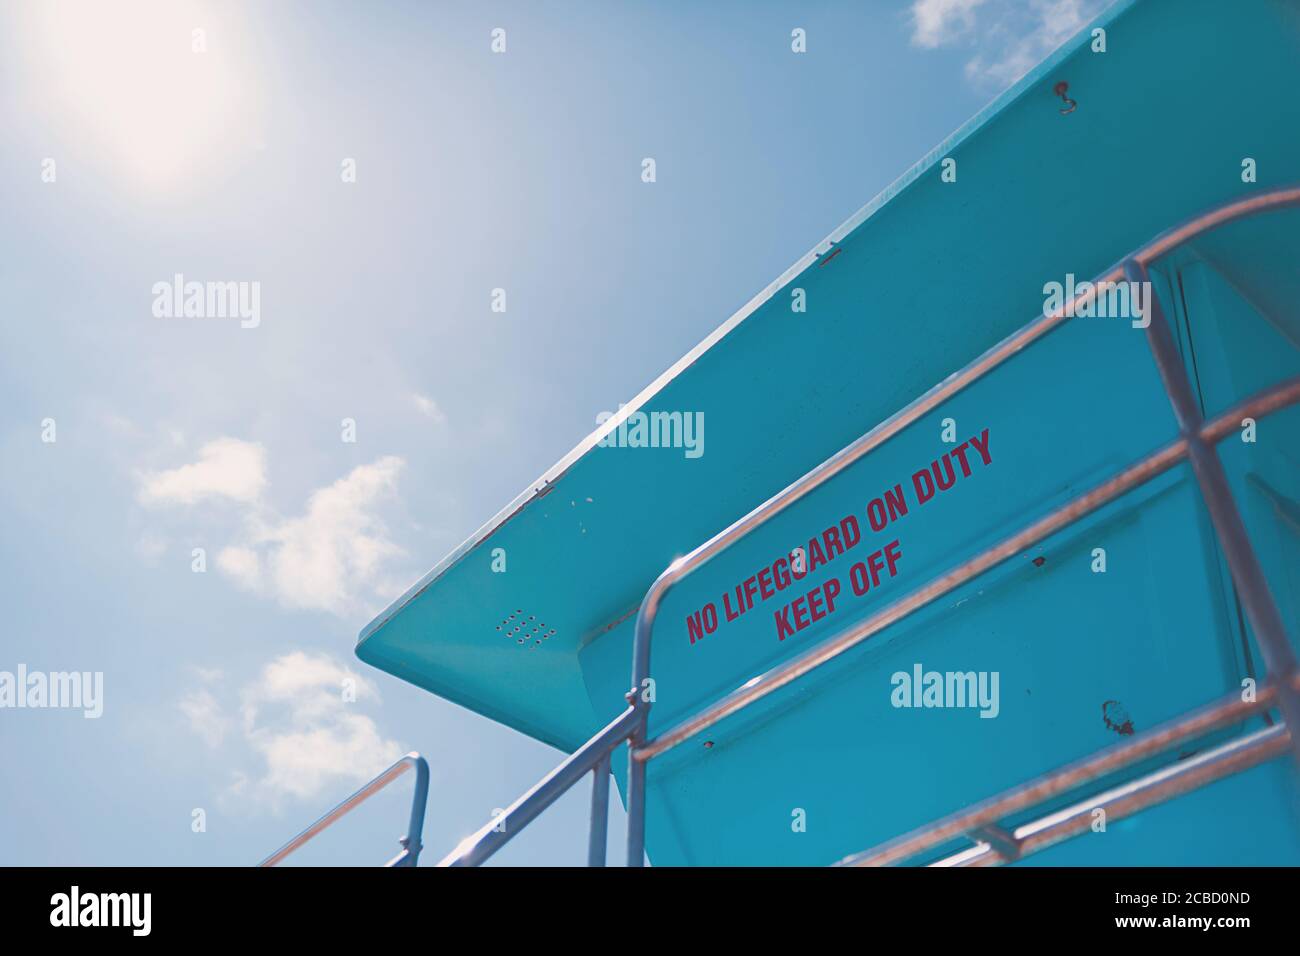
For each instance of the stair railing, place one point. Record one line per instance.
(415, 826)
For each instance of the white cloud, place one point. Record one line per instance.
(936, 22)
(308, 737)
(1009, 37)
(1054, 22)
(227, 468)
(336, 556)
(333, 557)
(205, 716)
(428, 408)
(242, 564)
(301, 731)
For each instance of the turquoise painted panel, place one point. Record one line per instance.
(1082, 658)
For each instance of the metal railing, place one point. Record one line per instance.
(995, 844)
(592, 757)
(1195, 443)
(415, 827)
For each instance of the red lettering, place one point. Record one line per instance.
(815, 556)
(807, 609)
(815, 604)
(831, 537)
(960, 452)
(783, 628)
(702, 622)
(858, 579)
(799, 564)
(924, 492)
(938, 477)
(876, 514)
(892, 554)
(832, 589)
(726, 606)
(800, 614)
(896, 501)
(874, 565)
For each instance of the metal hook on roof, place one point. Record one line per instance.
(1060, 90)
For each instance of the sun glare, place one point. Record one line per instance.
(163, 90)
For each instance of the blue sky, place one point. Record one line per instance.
(130, 157)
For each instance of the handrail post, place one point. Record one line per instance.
(412, 843)
(640, 697)
(599, 813)
(635, 801)
(635, 767)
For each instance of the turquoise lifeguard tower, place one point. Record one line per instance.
(992, 554)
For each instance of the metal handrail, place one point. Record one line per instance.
(972, 819)
(1245, 569)
(1194, 442)
(1144, 470)
(1126, 799)
(411, 845)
